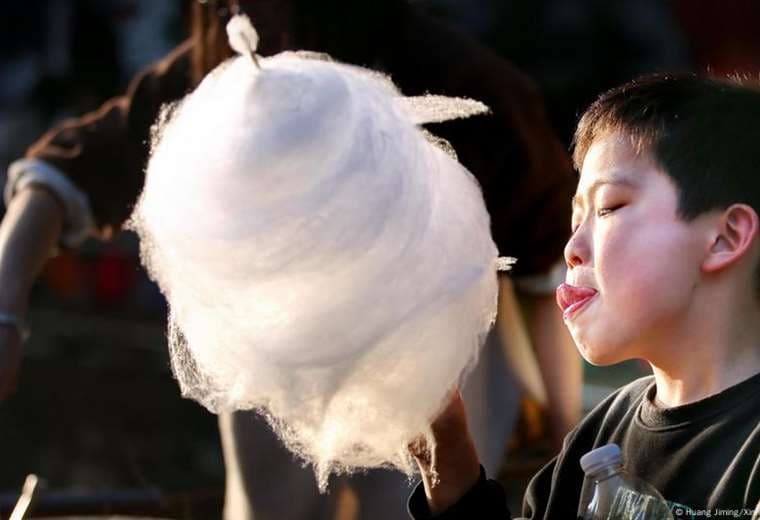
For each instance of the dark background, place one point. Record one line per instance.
(96, 413)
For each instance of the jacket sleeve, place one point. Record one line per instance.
(553, 492)
(485, 501)
(104, 153)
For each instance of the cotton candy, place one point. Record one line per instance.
(325, 263)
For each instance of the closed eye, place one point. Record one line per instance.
(602, 212)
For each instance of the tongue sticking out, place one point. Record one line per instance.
(570, 296)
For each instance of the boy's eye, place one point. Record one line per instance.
(601, 212)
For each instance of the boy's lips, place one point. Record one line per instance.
(571, 298)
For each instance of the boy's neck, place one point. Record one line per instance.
(677, 390)
(717, 347)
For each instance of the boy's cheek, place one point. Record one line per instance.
(610, 329)
(631, 273)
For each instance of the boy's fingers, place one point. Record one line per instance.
(452, 417)
(418, 446)
(450, 422)
(453, 454)
(420, 451)
(449, 429)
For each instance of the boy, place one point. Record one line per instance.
(663, 266)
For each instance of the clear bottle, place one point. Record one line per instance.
(616, 495)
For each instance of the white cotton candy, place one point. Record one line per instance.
(437, 109)
(324, 263)
(242, 36)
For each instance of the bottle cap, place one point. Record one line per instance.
(595, 460)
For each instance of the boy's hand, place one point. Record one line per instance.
(454, 468)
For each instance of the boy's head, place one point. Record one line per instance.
(665, 214)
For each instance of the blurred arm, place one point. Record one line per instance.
(28, 233)
(80, 178)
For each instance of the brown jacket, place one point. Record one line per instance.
(524, 170)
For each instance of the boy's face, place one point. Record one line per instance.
(633, 264)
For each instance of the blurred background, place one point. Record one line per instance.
(96, 413)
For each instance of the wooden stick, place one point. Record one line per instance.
(25, 500)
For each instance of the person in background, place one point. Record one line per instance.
(82, 178)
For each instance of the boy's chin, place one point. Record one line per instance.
(602, 355)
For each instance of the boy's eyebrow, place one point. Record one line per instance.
(576, 200)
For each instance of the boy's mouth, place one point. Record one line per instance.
(571, 299)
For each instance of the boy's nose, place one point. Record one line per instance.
(576, 250)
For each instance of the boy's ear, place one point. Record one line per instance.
(734, 235)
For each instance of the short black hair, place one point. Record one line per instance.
(703, 132)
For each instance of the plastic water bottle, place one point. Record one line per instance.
(616, 495)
